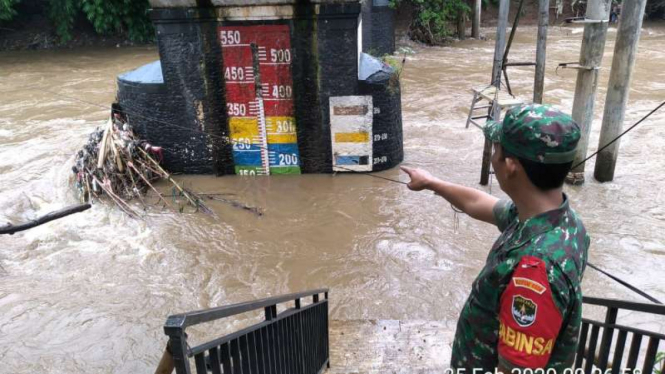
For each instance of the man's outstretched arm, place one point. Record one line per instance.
(477, 204)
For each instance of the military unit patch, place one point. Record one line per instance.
(524, 311)
(530, 284)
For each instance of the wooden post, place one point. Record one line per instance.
(461, 25)
(591, 56)
(625, 51)
(495, 113)
(166, 364)
(475, 24)
(541, 50)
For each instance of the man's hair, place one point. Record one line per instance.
(544, 176)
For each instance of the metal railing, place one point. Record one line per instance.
(294, 341)
(592, 356)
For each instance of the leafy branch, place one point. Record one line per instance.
(433, 18)
(120, 17)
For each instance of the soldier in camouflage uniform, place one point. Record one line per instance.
(525, 306)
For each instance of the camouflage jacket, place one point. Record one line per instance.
(527, 315)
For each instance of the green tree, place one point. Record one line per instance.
(7, 11)
(108, 17)
(119, 16)
(434, 18)
(62, 13)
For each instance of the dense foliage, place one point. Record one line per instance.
(7, 11)
(434, 19)
(118, 17)
(656, 9)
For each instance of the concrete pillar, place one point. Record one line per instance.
(475, 26)
(625, 51)
(541, 50)
(499, 47)
(591, 56)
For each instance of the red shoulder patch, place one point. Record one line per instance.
(529, 319)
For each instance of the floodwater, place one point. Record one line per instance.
(90, 293)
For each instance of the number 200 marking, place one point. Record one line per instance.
(286, 159)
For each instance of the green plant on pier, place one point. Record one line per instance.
(394, 62)
(660, 363)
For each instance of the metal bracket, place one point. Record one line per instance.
(585, 20)
(576, 66)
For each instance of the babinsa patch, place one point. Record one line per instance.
(524, 311)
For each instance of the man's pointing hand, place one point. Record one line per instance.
(420, 179)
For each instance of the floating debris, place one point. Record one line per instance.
(123, 167)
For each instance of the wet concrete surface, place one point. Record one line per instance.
(390, 346)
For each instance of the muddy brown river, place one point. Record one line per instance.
(90, 293)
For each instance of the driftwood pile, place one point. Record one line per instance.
(117, 164)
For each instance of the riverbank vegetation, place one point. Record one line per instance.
(439, 21)
(433, 19)
(656, 9)
(48, 23)
(127, 19)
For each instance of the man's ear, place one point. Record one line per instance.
(512, 167)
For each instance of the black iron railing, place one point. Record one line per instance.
(292, 342)
(609, 354)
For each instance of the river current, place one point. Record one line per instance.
(91, 292)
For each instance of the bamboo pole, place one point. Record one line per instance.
(194, 200)
(131, 165)
(618, 89)
(103, 146)
(591, 56)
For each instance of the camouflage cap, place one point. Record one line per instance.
(536, 132)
